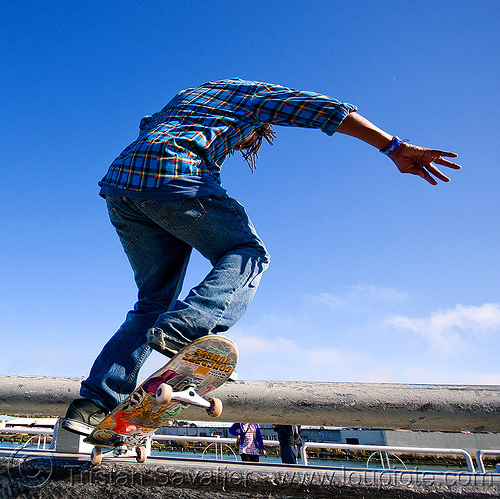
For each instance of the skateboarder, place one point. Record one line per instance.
(164, 198)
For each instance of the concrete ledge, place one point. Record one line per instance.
(357, 405)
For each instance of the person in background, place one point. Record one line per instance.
(249, 441)
(289, 439)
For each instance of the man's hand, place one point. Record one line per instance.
(408, 158)
(422, 162)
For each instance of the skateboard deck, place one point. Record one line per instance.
(185, 380)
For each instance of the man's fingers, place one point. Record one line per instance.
(437, 173)
(425, 175)
(439, 160)
(445, 162)
(429, 179)
(448, 154)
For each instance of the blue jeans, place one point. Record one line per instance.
(289, 454)
(158, 237)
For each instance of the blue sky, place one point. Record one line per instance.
(375, 276)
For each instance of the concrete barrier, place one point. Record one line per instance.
(355, 405)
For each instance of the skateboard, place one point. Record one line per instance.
(185, 380)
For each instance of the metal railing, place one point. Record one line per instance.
(41, 433)
(376, 448)
(388, 448)
(220, 442)
(385, 459)
(479, 458)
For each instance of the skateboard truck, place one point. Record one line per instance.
(189, 396)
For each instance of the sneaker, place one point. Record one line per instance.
(82, 416)
(158, 341)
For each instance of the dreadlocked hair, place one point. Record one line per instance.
(250, 154)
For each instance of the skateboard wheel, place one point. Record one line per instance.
(141, 454)
(96, 456)
(215, 409)
(164, 393)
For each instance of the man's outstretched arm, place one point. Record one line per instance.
(407, 157)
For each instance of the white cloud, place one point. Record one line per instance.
(251, 344)
(453, 330)
(360, 297)
(279, 358)
(328, 356)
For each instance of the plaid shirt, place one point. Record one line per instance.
(195, 132)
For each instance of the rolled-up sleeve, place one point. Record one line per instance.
(279, 105)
